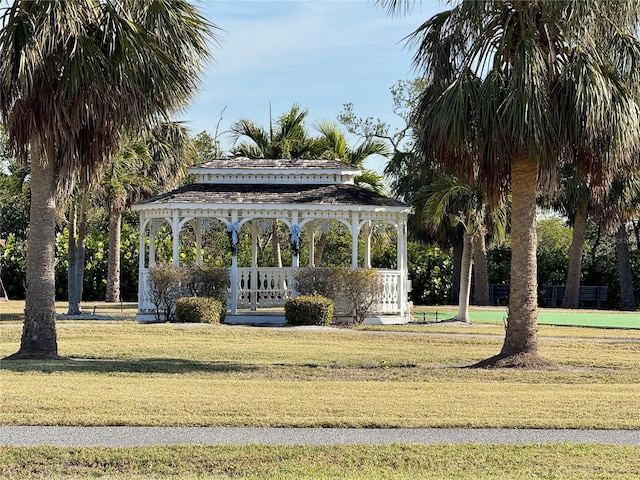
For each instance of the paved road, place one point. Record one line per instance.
(145, 436)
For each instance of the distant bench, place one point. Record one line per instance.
(499, 293)
(589, 294)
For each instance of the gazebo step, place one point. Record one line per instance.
(256, 318)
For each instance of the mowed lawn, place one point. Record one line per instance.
(125, 373)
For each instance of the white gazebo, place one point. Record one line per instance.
(302, 194)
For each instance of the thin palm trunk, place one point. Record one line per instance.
(319, 249)
(465, 280)
(455, 274)
(113, 266)
(72, 260)
(572, 291)
(522, 323)
(627, 298)
(275, 245)
(481, 272)
(39, 329)
(75, 270)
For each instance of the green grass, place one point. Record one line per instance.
(328, 462)
(124, 373)
(131, 374)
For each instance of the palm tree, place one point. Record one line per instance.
(515, 85)
(289, 139)
(142, 167)
(447, 200)
(621, 205)
(74, 76)
(336, 146)
(573, 200)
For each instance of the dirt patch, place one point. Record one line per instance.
(527, 360)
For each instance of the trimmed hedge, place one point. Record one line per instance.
(309, 310)
(199, 310)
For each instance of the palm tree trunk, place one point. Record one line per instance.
(465, 280)
(572, 291)
(481, 284)
(275, 245)
(76, 254)
(627, 298)
(72, 262)
(522, 322)
(39, 339)
(455, 274)
(319, 249)
(112, 293)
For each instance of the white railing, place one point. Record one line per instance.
(392, 292)
(271, 287)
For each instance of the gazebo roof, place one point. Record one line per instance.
(199, 194)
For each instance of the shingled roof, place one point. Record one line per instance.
(293, 194)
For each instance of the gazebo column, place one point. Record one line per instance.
(153, 231)
(367, 245)
(175, 234)
(197, 228)
(354, 239)
(233, 228)
(311, 234)
(253, 284)
(295, 240)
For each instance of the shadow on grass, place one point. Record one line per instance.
(145, 365)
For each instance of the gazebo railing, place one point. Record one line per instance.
(273, 287)
(266, 286)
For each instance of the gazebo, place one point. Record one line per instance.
(302, 194)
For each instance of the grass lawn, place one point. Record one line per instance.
(478, 462)
(125, 373)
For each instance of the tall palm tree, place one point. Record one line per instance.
(572, 199)
(535, 78)
(73, 77)
(620, 206)
(336, 146)
(287, 139)
(143, 167)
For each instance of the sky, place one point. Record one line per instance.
(319, 54)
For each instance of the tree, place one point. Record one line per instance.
(514, 86)
(573, 199)
(336, 146)
(74, 76)
(143, 167)
(449, 200)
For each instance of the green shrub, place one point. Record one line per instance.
(358, 289)
(308, 310)
(166, 285)
(209, 281)
(313, 281)
(199, 310)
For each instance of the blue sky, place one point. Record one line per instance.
(320, 54)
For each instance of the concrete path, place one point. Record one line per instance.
(147, 436)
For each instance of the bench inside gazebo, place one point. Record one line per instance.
(243, 194)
